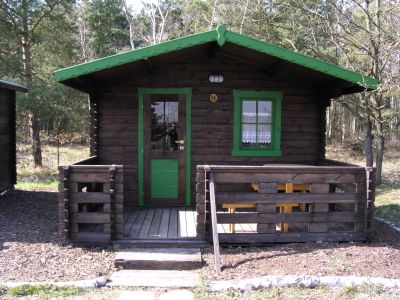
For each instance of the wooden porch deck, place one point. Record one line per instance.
(160, 223)
(293, 227)
(169, 223)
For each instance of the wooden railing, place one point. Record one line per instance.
(91, 202)
(319, 203)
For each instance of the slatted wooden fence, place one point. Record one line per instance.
(336, 206)
(91, 202)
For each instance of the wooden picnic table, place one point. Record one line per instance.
(283, 207)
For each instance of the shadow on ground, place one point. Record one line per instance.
(390, 212)
(29, 217)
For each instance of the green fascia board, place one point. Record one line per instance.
(135, 55)
(220, 35)
(302, 60)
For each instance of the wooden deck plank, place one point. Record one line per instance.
(250, 227)
(155, 224)
(182, 230)
(191, 222)
(138, 224)
(160, 223)
(130, 221)
(144, 231)
(173, 223)
(126, 216)
(163, 232)
(223, 228)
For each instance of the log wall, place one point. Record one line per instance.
(7, 139)
(303, 110)
(91, 202)
(337, 205)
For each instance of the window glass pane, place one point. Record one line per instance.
(164, 121)
(171, 113)
(249, 135)
(249, 111)
(264, 135)
(265, 111)
(158, 138)
(157, 113)
(172, 138)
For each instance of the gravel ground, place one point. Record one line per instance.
(30, 250)
(379, 257)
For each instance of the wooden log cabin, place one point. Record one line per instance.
(248, 114)
(8, 165)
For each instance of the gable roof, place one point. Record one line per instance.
(12, 86)
(220, 35)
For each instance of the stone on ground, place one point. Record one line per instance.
(158, 258)
(154, 278)
(177, 295)
(142, 295)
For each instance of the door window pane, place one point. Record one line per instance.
(157, 113)
(164, 125)
(171, 112)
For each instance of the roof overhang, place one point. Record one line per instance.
(12, 86)
(357, 82)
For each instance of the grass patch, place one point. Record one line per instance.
(293, 292)
(44, 291)
(350, 291)
(45, 177)
(3, 290)
(387, 203)
(46, 185)
(387, 195)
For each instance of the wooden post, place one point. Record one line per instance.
(65, 207)
(200, 203)
(266, 188)
(93, 127)
(319, 207)
(370, 198)
(214, 224)
(112, 200)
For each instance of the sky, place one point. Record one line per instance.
(137, 4)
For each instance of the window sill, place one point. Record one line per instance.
(256, 152)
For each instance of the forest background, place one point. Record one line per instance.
(38, 37)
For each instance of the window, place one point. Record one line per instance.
(257, 123)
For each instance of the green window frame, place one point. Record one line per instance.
(245, 95)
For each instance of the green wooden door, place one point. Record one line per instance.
(164, 149)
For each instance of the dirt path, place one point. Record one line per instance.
(30, 250)
(29, 243)
(379, 257)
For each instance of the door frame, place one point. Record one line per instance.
(188, 139)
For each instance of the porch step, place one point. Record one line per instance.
(162, 243)
(150, 278)
(158, 258)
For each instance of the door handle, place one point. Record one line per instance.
(180, 142)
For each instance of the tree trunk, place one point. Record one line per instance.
(28, 74)
(368, 142)
(380, 141)
(36, 147)
(379, 158)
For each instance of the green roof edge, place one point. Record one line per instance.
(302, 60)
(221, 35)
(134, 55)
